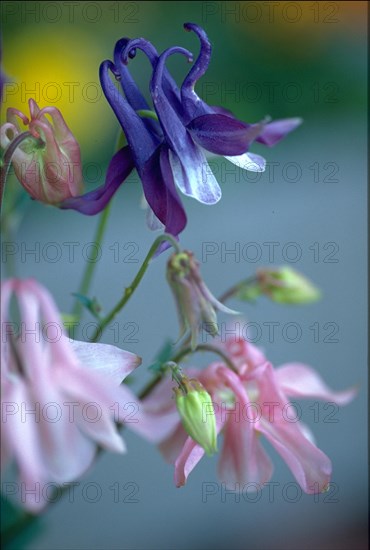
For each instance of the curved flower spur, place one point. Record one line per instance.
(143, 152)
(166, 146)
(191, 124)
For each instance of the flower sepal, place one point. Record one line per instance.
(195, 407)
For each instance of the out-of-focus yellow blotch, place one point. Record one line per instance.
(59, 68)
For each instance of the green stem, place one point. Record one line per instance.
(180, 355)
(205, 347)
(131, 289)
(235, 289)
(90, 267)
(8, 155)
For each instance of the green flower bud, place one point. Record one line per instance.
(286, 286)
(197, 414)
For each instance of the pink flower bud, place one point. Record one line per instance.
(50, 171)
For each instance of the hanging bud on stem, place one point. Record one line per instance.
(195, 303)
(197, 414)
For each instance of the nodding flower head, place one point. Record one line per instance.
(195, 303)
(50, 169)
(167, 145)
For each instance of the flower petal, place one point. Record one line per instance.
(161, 194)
(111, 362)
(141, 141)
(299, 380)
(275, 131)
(187, 460)
(190, 169)
(309, 465)
(249, 161)
(171, 447)
(95, 201)
(243, 460)
(220, 134)
(193, 175)
(169, 85)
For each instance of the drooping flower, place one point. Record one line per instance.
(60, 398)
(192, 125)
(250, 403)
(50, 171)
(143, 152)
(195, 303)
(167, 149)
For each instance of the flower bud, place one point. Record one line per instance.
(197, 414)
(286, 286)
(50, 170)
(195, 303)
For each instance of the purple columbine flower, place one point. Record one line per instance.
(168, 153)
(146, 151)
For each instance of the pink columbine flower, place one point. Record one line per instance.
(50, 172)
(60, 398)
(250, 403)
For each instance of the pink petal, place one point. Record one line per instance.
(171, 447)
(107, 360)
(66, 451)
(310, 466)
(187, 460)
(243, 459)
(299, 380)
(21, 438)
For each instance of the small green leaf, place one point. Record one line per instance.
(91, 304)
(163, 356)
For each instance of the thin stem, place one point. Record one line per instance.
(205, 347)
(90, 267)
(8, 155)
(180, 355)
(235, 289)
(135, 283)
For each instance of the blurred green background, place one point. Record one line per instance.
(280, 59)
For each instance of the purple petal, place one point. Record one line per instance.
(222, 135)
(95, 201)
(132, 92)
(277, 130)
(161, 194)
(169, 85)
(142, 142)
(176, 217)
(190, 169)
(193, 175)
(192, 104)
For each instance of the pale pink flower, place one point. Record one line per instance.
(52, 172)
(248, 404)
(60, 398)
